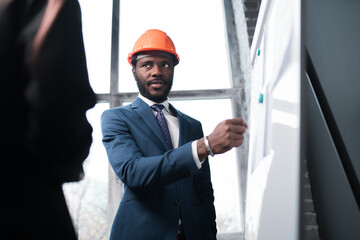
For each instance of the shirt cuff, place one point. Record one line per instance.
(197, 161)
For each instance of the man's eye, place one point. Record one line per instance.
(146, 65)
(166, 65)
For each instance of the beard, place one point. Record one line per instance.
(144, 91)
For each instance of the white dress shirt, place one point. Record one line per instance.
(173, 125)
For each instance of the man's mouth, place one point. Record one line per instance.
(158, 83)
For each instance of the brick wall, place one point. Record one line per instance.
(251, 8)
(311, 228)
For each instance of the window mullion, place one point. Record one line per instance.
(114, 76)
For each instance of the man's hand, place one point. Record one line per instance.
(227, 134)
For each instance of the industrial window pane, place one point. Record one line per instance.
(224, 166)
(198, 31)
(87, 199)
(96, 19)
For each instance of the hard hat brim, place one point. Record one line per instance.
(131, 55)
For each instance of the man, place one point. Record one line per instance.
(45, 94)
(160, 153)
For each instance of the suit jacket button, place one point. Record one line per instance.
(176, 202)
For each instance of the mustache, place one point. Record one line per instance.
(156, 81)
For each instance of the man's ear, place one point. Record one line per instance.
(133, 71)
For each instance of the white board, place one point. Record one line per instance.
(273, 184)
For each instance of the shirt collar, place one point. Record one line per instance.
(150, 102)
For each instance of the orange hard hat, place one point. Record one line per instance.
(153, 40)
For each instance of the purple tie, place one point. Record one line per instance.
(162, 123)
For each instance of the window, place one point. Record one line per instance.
(196, 28)
(96, 18)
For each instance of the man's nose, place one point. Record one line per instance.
(156, 71)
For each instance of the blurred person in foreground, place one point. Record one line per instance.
(45, 94)
(161, 154)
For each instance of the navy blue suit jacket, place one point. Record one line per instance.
(161, 185)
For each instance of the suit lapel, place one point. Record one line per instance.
(183, 126)
(147, 115)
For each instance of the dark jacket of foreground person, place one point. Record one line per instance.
(44, 96)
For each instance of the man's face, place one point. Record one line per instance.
(154, 77)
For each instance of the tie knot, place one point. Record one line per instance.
(157, 107)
